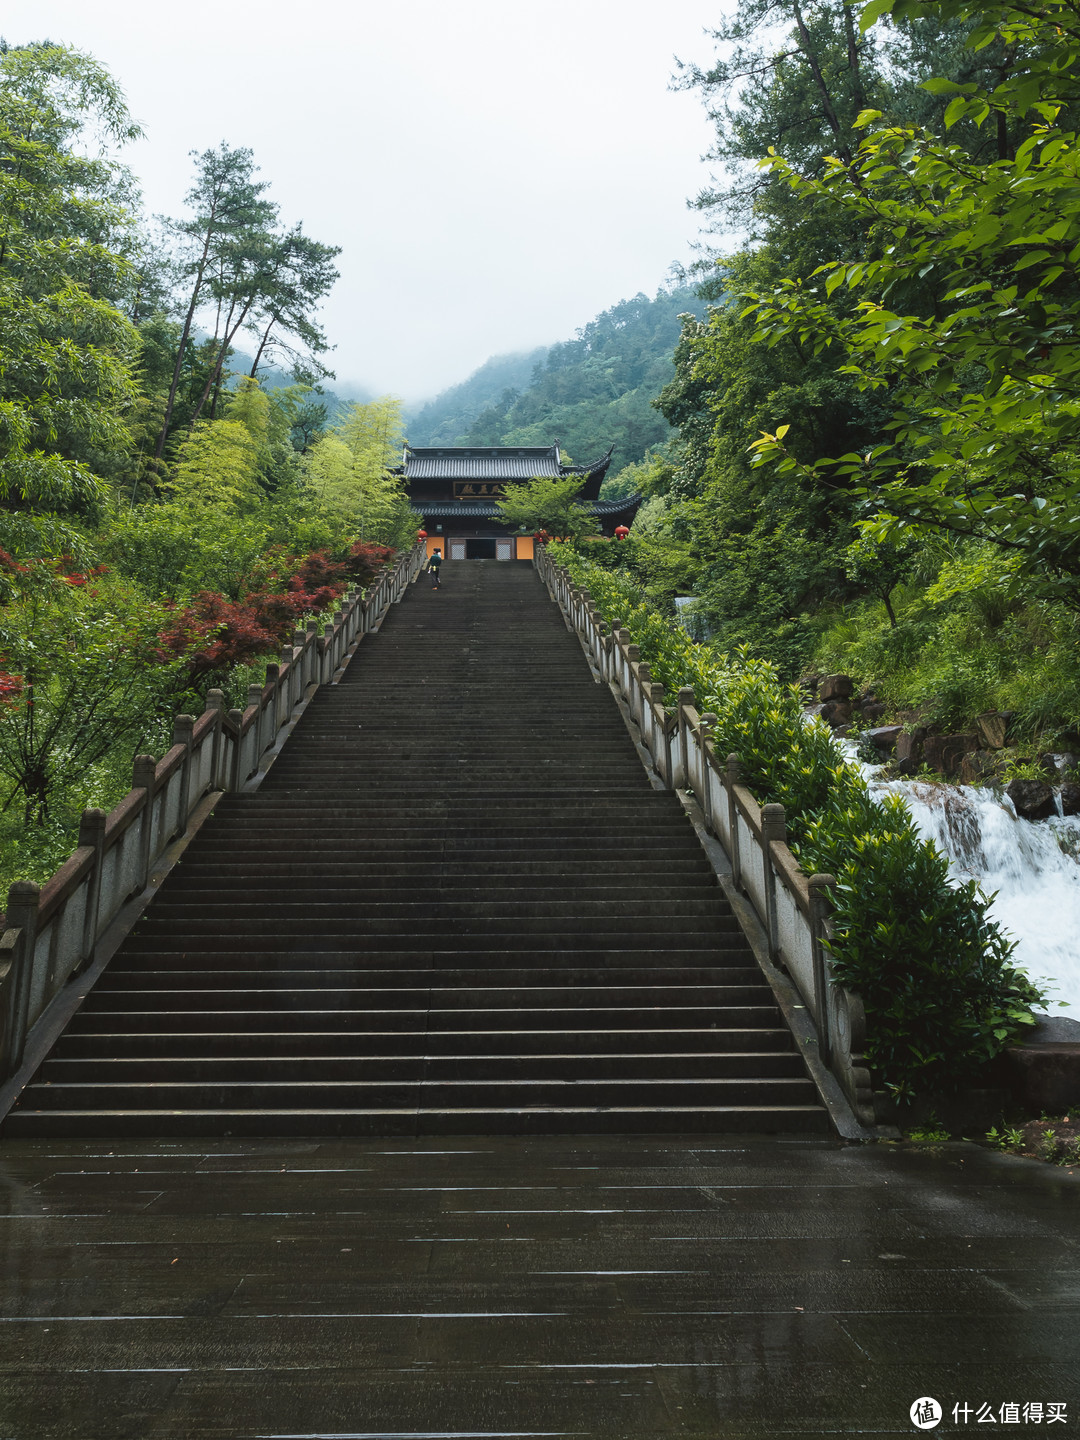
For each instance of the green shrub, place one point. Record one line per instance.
(933, 970)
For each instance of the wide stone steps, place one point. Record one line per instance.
(406, 1066)
(456, 904)
(331, 1016)
(509, 1044)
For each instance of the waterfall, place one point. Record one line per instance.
(1033, 866)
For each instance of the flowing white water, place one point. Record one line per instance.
(1033, 866)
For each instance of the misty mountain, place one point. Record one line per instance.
(444, 420)
(587, 393)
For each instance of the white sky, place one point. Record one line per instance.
(497, 172)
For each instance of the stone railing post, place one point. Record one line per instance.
(143, 777)
(255, 697)
(92, 837)
(822, 888)
(680, 779)
(326, 672)
(215, 700)
(706, 725)
(22, 913)
(181, 735)
(311, 654)
(733, 775)
(232, 780)
(773, 827)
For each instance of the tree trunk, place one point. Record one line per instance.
(828, 109)
(188, 319)
(262, 347)
(854, 63)
(230, 336)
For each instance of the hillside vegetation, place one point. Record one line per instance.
(590, 392)
(873, 465)
(162, 528)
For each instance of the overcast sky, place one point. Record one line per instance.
(497, 172)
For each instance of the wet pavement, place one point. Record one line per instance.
(408, 1290)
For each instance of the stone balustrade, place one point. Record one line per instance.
(792, 908)
(49, 934)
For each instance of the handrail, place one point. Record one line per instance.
(793, 908)
(49, 934)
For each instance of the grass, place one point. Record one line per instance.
(967, 640)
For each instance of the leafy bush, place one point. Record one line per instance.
(933, 970)
(970, 637)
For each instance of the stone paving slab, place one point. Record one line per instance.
(515, 1287)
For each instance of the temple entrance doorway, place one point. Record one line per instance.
(480, 547)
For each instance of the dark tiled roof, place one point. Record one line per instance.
(486, 509)
(592, 466)
(495, 463)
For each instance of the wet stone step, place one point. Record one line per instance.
(302, 1044)
(419, 1066)
(433, 997)
(101, 1017)
(562, 1119)
(394, 1093)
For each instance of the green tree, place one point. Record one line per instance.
(83, 647)
(373, 434)
(983, 388)
(547, 504)
(225, 235)
(66, 349)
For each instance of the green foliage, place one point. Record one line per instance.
(929, 1132)
(546, 504)
(968, 638)
(83, 647)
(1008, 1138)
(983, 437)
(933, 970)
(66, 348)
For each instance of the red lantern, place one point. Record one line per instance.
(421, 534)
(621, 532)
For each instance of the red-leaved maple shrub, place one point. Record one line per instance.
(214, 633)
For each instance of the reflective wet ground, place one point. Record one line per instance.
(532, 1287)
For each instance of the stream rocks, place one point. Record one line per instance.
(971, 757)
(1034, 799)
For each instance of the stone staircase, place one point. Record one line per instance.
(455, 905)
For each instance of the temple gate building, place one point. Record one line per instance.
(455, 489)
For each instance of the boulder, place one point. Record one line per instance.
(978, 767)
(873, 709)
(836, 712)
(1034, 799)
(1070, 798)
(944, 753)
(836, 687)
(909, 745)
(992, 728)
(884, 737)
(1067, 740)
(1059, 762)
